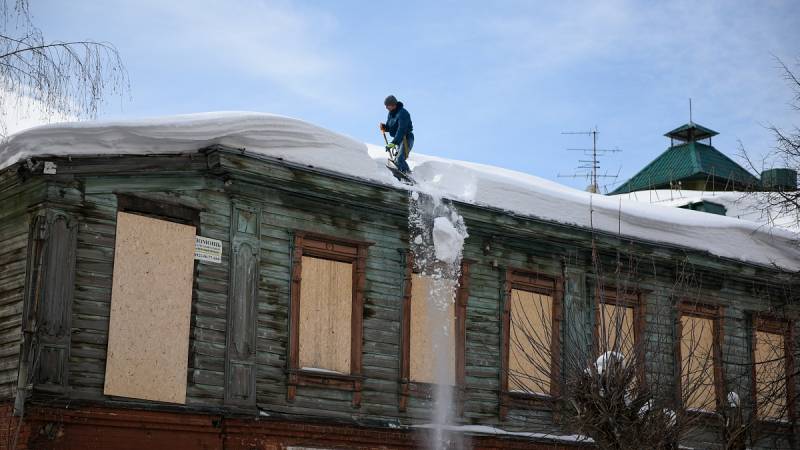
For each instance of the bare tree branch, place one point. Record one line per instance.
(53, 78)
(617, 393)
(775, 201)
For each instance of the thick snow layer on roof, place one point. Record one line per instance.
(304, 143)
(742, 205)
(267, 134)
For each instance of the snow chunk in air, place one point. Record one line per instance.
(447, 240)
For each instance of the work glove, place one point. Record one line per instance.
(391, 146)
(382, 126)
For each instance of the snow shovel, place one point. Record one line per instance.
(401, 176)
(392, 153)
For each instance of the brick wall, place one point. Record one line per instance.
(124, 429)
(9, 431)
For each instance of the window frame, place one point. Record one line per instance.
(157, 209)
(629, 299)
(336, 249)
(784, 327)
(715, 313)
(409, 388)
(540, 283)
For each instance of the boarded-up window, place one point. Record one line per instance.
(697, 363)
(616, 329)
(770, 372)
(530, 342)
(151, 297)
(430, 323)
(326, 303)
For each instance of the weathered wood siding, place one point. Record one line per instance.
(288, 198)
(17, 199)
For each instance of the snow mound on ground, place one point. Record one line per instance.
(514, 192)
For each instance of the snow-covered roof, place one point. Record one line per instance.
(301, 142)
(742, 205)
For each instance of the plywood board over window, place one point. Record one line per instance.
(325, 315)
(616, 329)
(531, 334)
(148, 340)
(698, 363)
(773, 369)
(427, 322)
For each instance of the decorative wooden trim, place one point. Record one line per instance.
(405, 332)
(558, 313)
(337, 249)
(357, 321)
(158, 209)
(542, 284)
(345, 246)
(611, 295)
(294, 316)
(410, 388)
(337, 380)
(245, 248)
(462, 300)
(716, 314)
(785, 327)
(504, 344)
(50, 281)
(706, 311)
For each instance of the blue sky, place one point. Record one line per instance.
(490, 82)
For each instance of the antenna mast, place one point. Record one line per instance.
(591, 166)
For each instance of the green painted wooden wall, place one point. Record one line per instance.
(291, 197)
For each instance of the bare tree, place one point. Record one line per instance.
(617, 392)
(775, 201)
(65, 78)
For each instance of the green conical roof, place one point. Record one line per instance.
(688, 161)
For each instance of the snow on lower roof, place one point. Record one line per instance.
(301, 142)
(749, 206)
(494, 431)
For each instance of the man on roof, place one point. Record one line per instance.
(399, 126)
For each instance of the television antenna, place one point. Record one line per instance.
(588, 168)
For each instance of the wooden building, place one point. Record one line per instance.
(294, 326)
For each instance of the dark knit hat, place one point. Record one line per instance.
(390, 100)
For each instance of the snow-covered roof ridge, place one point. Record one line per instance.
(269, 134)
(301, 142)
(749, 206)
(533, 196)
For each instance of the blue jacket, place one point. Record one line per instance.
(398, 124)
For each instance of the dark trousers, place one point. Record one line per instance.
(402, 153)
